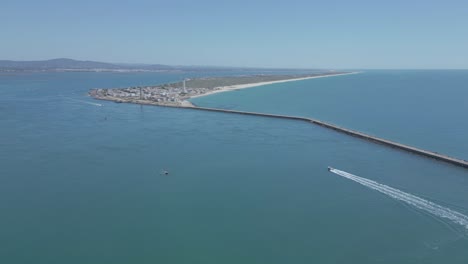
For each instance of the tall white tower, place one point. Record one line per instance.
(185, 90)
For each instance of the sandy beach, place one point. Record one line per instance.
(249, 85)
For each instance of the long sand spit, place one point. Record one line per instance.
(249, 85)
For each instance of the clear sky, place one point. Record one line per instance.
(277, 33)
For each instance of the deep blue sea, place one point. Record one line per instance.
(80, 179)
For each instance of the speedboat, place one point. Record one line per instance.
(329, 168)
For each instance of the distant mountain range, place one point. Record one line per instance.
(64, 64)
(76, 65)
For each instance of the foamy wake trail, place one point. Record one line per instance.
(410, 199)
(84, 102)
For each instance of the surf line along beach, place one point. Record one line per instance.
(136, 95)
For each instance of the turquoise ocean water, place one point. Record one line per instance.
(80, 183)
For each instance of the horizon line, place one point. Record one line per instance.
(238, 67)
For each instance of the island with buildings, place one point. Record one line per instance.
(178, 93)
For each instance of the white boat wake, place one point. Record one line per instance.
(82, 101)
(420, 203)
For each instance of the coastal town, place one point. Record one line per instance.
(167, 94)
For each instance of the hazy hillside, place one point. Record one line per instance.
(64, 64)
(69, 64)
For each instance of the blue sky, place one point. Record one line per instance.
(304, 34)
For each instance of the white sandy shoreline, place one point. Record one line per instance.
(249, 85)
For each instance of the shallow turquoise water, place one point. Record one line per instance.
(80, 183)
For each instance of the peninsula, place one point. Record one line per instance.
(178, 94)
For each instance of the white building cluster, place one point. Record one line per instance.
(159, 94)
